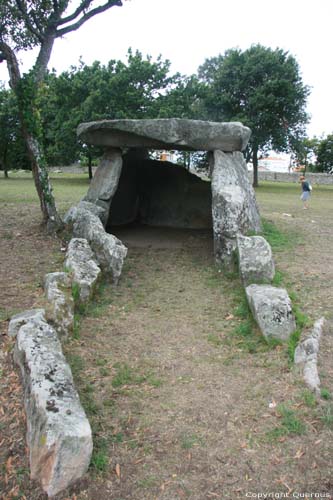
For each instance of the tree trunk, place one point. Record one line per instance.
(255, 166)
(42, 183)
(90, 164)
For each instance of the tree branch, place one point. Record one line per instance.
(88, 15)
(8, 55)
(83, 6)
(27, 21)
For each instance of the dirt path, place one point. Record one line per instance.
(184, 399)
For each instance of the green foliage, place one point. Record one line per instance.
(324, 153)
(260, 87)
(139, 88)
(12, 149)
(325, 393)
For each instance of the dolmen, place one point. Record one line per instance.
(174, 196)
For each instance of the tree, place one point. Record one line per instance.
(324, 153)
(25, 24)
(138, 88)
(12, 150)
(305, 151)
(263, 89)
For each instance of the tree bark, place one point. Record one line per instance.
(39, 170)
(255, 166)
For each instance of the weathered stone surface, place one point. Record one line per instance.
(58, 433)
(109, 251)
(97, 210)
(255, 260)
(85, 272)
(271, 308)
(105, 181)
(58, 291)
(306, 356)
(169, 133)
(161, 194)
(22, 318)
(234, 206)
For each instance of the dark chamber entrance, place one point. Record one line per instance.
(160, 194)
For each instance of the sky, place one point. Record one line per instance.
(188, 31)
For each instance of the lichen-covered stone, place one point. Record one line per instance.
(95, 209)
(234, 207)
(22, 318)
(105, 181)
(108, 250)
(255, 260)
(168, 133)
(84, 270)
(271, 308)
(60, 308)
(306, 356)
(58, 433)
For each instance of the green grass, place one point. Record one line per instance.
(20, 189)
(290, 424)
(327, 417)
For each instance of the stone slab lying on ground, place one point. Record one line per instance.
(84, 270)
(109, 252)
(306, 356)
(271, 308)
(60, 308)
(234, 207)
(58, 432)
(168, 133)
(22, 318)
(255, 260)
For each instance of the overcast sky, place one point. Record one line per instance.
(189, 31)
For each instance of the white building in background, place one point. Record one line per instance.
(273, 164)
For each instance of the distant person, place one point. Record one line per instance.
(306, 191)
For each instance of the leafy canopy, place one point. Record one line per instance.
(260, 87)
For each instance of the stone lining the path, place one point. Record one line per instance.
(271, 308)
(306, 356)
(59, 436)
(83, 268)
(60, 307)
(256, 264)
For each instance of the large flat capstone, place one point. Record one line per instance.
(58, 435)
(168, 133)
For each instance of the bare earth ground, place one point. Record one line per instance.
(183, 402)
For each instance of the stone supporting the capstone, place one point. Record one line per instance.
(58, 432)
(105, 181)
(255, 260)
(234, 207)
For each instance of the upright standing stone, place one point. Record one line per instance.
(234, 206)
(105, 181)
